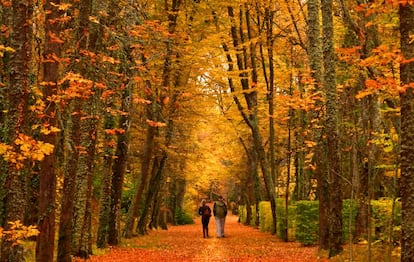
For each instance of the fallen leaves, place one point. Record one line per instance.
(186, 243)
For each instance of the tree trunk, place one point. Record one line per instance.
(156, 178)
(315, 59)
(406, 13)
(118, 173)
(45, 245)
(251, 119)
(141, 184)
(179, 193)
(303, 185)
(69, 186)
(83, 196)
(331, 127)
(105, 202)
(18, 97)
(68, 226)
(270, 90)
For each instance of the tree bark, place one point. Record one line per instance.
(156, 178)
(68, 235)
(105, 201)
(47, 179)
(83, 197)
(142, 181)
(331, 127)
(406, 14)
(118, 172)
(69, 183)
(315, 58)
(18, 97)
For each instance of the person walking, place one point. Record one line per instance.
(220, 213)
(205, 212)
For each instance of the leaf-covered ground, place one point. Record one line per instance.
(186, 243)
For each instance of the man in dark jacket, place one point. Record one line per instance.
(220, 213)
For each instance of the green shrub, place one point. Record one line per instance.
(307, 222)
(281, 219)
(265, 217)
(347, 210)
(304, 219)
(253, 220)
(266, 220)
(182, 218)
(381, 215)
(242, 214)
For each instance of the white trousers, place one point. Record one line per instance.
(220, 226)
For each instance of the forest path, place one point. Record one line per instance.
(186, 243)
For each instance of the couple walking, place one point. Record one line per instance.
(219, 212)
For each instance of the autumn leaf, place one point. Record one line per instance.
(63, 6)
(364, 93)
(370, 83)
(4, 49)
(108, 59)
(309, 143)
(114, 131)
(55, 39)
(155, 124)
(46, 129)
(17, 232)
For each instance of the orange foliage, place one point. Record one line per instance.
(114, 131)
(155, 124)
(17, 232)
(27, 148)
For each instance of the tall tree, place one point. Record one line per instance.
(18, 90)
(331, 131)
(141, 183)
(406, 14)
(250, 116)
(315, 63)
(111, 98)
(119, 169)
(45, 245)
(172, 79)
(73, 137)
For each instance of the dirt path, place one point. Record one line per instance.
(186, 243)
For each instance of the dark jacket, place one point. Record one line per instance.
(202, 211)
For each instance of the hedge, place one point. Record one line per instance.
(304, 219)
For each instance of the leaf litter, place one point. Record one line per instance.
(186, 243)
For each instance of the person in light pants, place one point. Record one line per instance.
(220, 213)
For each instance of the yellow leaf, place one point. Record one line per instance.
(62, 7)
(46, 148)
(93, 19)
(310, 143)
